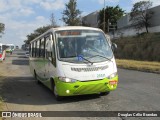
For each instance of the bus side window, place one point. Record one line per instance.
(30, 50)
(42, 53)
(35, 52)
(48, 48)
(53, 50)
(33, 49)
(37, 49)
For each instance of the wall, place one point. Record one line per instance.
(91, 19)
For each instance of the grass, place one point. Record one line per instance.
(1, 102)
(139, 65)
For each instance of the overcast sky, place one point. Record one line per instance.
(22, 17)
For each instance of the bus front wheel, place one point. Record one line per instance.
(104, 93)
(54, 90)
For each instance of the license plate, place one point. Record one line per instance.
(112, 82)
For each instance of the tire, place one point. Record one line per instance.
(104, 93)
(35, 76)
(53, 87)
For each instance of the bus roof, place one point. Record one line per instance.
(75, 27)
(67, 28)
(10, 44)
(2, 44)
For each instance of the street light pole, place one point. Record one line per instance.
(104, 26)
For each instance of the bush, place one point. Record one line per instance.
(140, 47)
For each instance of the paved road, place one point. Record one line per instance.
(137, 91)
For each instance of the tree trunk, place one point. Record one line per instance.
(146, 28)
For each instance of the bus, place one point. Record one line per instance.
(2, 52)
(73, 61)
(10, 48)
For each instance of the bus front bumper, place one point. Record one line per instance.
(87, 87)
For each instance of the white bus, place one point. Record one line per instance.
(74, 61)
(2, 52)
(10, 48)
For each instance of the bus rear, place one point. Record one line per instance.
(2, 52)
(10, 48)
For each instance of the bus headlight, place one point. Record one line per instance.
(64, 79)
(112, 75)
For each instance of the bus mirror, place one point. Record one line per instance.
(114, 46)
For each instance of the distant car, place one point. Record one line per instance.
(27, 54)
(17, 47)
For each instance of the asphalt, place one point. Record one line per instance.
(137, 91)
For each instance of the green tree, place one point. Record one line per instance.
(112, 15)
(140, 15)
(71, 15)
(2, 28)
(36, 33)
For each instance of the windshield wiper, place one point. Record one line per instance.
(82, 58)
(86, 60)
(101, 56)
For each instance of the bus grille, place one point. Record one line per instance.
(94, 88)
(89, 69)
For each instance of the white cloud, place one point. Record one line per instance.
(108, 1)
(26, 11)
(40, 18)
(30, 2)
(15, 5)
(6, 5)
(16, 31)
(3, 5)
(16, 15)
(48, 5)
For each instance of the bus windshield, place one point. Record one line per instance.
(80, 45)
(12, 47)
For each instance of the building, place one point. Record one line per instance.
(125, 28)
(91, 19)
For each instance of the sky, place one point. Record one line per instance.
(22, 17)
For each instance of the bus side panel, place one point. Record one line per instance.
(50, 73)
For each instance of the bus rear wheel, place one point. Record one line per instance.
(54, 90)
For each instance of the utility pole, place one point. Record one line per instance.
(104, 26)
